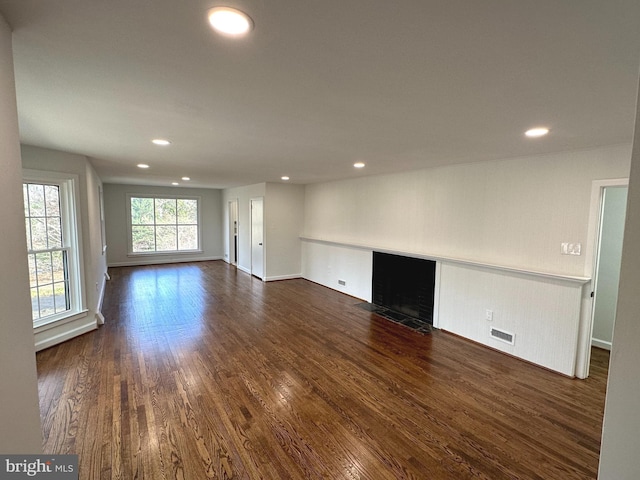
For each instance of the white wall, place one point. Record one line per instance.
(93, 258)
(96, 263)
(19, 412)
(513, 212)
(614, 209)
(115, 206)
(243, 195)
(619, 459)
(283, 225)
(284, 222)
(326, 263)
(542, 313)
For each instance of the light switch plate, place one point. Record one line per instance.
(570, 248)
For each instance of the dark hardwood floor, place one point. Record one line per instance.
(205, 372)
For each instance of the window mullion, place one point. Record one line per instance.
(45, 217)
(67, 290)
(30, 223)
(155, 227)
(176, 210)
(50, 250)
(35, 265)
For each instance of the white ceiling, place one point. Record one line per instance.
(319, 85)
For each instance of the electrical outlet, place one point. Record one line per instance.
(488, 315)
(342, 282)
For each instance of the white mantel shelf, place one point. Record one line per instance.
(439, 258)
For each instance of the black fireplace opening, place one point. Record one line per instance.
(404, 285)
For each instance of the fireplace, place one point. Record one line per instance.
(404, 284)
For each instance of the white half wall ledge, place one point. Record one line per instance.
(439, 258)
(542, 313)
(542, 309)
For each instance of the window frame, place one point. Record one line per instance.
(71, 239)
(162, 196)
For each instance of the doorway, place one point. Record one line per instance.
(608, 259)
(233, 232)
(600, 228)
(257, 237)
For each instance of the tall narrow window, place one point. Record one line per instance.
(162, 225)
(51, 249)
(48, 262)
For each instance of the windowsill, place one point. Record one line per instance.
(147, 254)
(56, 321)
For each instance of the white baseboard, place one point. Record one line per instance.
(60, 334)
(156, 261)
(596, 342)
(282, 277)
(243, 269)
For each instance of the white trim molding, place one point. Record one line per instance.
(61, 332)
(282, 277)
(159, 261)
(71, 223)
(595, 342)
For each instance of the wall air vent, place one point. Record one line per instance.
(503, 336)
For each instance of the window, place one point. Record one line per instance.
(52, 247)
(163, 225)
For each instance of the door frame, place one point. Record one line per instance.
(251, 236)
(585, 332)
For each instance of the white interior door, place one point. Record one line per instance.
(257, 237)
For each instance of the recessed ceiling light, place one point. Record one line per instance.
(175, 183)
(537, 132)
(143, 165)
(359, 165)
(186, 179)
(230, 21)
(285, 178)
(161, 141)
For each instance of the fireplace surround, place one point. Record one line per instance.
(404, 285)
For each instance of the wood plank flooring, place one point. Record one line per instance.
(202, 372)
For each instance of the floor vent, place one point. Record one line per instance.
(503, 336)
